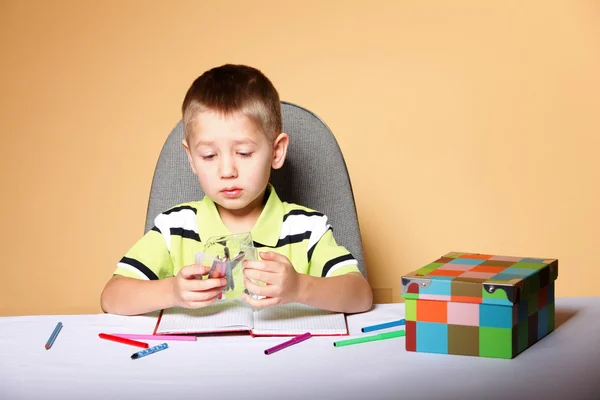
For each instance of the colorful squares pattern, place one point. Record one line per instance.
(551, 317)
(543, 297)
(499, 296)
(410, 310)
(533, 260)
(440, 287)
(479, 275)
(454, 254)
(528, 265)
(505, 258)
(532, 305)
(437, 297)
(506, 276)
(432, 311)
(466, 299)
(410, 330)
(432, 337)
(522, 335)
(492, 316)
(466, 261)
(495, 342)
(466, 287)
(542, 320)
(498, 264)
(532, 325)
(477, 256)
(463, 340)
(455, 267)
(479, 304)
(487, 268)
(463, 314)
(531, 284)
(523, 310)
(445, 272)
(519, 272)
(428, 268)
(467, 272)
(483, 330)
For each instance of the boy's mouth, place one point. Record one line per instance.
(231, 192)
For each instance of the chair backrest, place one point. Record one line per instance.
(314, 175)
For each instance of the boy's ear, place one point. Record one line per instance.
(280, 146)
(189, 155)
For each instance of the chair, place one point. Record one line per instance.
(314, 175)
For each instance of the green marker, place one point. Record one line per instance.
(381, 336)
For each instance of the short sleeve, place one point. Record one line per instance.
(326, 258)
(148, 259)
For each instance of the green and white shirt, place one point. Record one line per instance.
(303, 235)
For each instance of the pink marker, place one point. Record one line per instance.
(136, 336)
(290, 342)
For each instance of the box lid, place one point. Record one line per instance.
(480, 278)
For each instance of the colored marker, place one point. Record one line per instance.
(214, 269)
(155, 337)
(124, 340)
(384, 326)
(53, 336)
(231, 266)
(151, 350)
(364, 339)
(289, 343)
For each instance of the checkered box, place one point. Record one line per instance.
(479, 304)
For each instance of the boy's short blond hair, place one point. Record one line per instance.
(231, 89)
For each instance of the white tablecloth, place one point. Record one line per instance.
(565, 364)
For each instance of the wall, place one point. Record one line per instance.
(467, 125)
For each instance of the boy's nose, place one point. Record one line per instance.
(227, 168)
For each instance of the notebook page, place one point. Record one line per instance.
(221, 316)
(296, 319)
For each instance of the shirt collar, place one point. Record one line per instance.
(266, 231)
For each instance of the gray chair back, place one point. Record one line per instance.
(314, 175)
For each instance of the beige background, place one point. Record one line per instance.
(467, 125)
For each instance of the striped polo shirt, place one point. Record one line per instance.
(303, 235)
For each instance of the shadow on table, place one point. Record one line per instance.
(562, 315)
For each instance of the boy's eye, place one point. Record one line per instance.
(244, 153)
(208, 157)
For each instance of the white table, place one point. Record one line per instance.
(565, 364)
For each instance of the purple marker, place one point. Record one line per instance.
(290, 342)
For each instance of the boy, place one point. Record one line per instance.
(232, 138)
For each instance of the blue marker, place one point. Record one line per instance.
(52, 338)
(383, 326)
(151, 350)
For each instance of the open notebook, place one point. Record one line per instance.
(236, 316)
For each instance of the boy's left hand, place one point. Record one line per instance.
(277, 272)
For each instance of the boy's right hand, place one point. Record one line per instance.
(191, 292)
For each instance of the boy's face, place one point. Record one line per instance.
(232, 159)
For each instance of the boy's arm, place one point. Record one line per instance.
(349, 293)
(130, 296)
(142, 281)
(333, 281)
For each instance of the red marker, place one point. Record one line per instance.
(124, 340)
